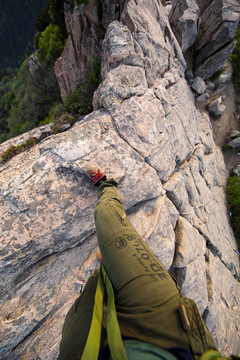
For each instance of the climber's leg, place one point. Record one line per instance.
(77, 322)
(147, 298)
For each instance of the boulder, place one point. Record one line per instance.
(216, 107)
(203, 99)
(184, 19)
(199, 85)
(210, 87)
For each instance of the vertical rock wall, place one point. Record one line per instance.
(208, 28)
(146, 132)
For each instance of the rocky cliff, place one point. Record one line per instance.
(147, 133)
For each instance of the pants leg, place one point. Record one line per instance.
(77, 322)
(147, 298)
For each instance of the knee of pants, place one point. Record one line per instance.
(105, 208)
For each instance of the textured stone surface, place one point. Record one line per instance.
(83, 43)
(199, 85)
(208, 28)
(223, 303)
(38, 133)
(146, 132)
(216, 107)
(184, 18)
(235, 144)
(213, 45)
(215, 62)
(203, 4)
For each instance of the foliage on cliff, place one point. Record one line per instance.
(28, 99)
(233, 197)
(31, 97)
(50, 44)
(80, 101)
(27, 96)
(235, 59)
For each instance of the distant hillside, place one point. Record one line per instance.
(17, 30)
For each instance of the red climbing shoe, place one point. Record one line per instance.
(96, 175)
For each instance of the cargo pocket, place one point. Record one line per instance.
(120, 213)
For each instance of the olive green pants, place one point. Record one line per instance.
(147, 298)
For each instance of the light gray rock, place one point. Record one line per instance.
(189, 260)
(214, 42)
(193, 286)
(184, 19)
(87, 30)
(235, 144)
(38, 204)
(199, 85)
(206, 136)
(210, 87)
(237, 170)
(159, 46)
(203, 99)
(37, 133)
(216, 107)
(168, 7)
(189, 244)
(222, 305)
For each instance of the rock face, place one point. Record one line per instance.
(87, 25)
(214, 42)
(184, 18)
(146, 132)
(83, 43)
(209, 27)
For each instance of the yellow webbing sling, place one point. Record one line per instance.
(115, 342)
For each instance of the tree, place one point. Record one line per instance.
(51, 43)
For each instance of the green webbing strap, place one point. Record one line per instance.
(113, 332)
(92, 346)
(115, 342)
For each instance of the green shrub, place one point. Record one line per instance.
(80, 101)
(50, 43)
(235, 60)
(13, 150)
(61, 122)
(233, 197)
